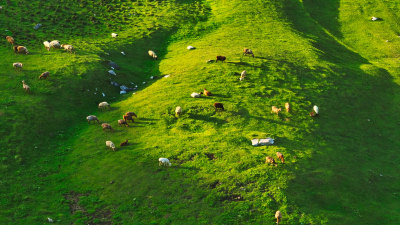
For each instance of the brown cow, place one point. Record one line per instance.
(126, 118)
(130, 114)
(220, 58)
(44, 75)
(10, 40)
(20, 49)
(206, 93)
(270, 160)
(280, 156)
(124, 143)
(218, 106)
(123, 122)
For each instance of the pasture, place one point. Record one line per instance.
(341, 167)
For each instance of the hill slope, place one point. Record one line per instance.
(340, 167)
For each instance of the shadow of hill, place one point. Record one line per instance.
(351, 176)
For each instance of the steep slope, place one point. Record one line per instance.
(297, 60)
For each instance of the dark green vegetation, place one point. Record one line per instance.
(341, 168)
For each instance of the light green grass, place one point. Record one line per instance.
(341, 168)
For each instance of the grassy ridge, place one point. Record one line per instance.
(340, 168)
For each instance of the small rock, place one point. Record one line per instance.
(37, 26)
(374, 18)
(112, 72)
(123, 53)
(104, 95)
(381, 175)
(152, 77)
(144, 82)
(123, 88)
(166, 76)
(50, 220)
(114, 65)
(122, 92)
(209, 61)
(111, 182)
(190, 47)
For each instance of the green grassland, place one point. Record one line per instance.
(341, 167)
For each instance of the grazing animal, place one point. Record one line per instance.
(17, 65)
(55, 44)
(276, 110)
(278, 216)
(125, 143)
(114, 35)
(130, 114)
(270, 160)
(111, 145)
(21, 49)
(220, 58)
(243, 75)
(206, 93)
(280, 156)
(47, 45)
(10, 40)
(44, 75)
(196, 95)
(316, 109)
(106, 126)
(287, 107)
(218, 106)
(313, 114)
(26, 87)
(123, 122)
(164, 162)
(104, 105)
(247, 51)
(178, 111)
(68, 48)
(152, 54)
(126, 118)
(92, 118)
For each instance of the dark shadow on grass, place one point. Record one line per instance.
(355, 135)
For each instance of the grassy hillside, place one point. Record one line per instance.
(341, 168)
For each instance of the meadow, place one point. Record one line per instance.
(341, 167)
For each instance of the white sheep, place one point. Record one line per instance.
(55, 44)
(92, 118)
(111, 145)
(114, 35)
(47, 45)
(17, 65)
(316, 110)
(104, 105)
(243, 75)
(152, 54)
(164, 162)
(68, 48)
(196, 95)
(178, 111)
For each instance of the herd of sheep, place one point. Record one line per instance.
(129, 115)
(19, 49)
